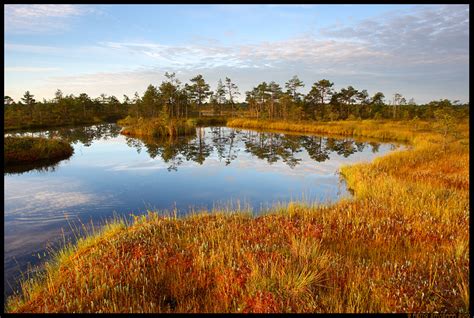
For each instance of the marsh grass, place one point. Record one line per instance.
(382, 130)
(400, 245)
(28, 150)
(157, 127)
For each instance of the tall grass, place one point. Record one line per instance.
(383, 130)
(156, 127)
(400, 245)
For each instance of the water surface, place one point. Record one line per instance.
(111, 174)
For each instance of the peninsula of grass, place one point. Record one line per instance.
(31, 150)
(156, 127)
(400, 245)
(385, 130)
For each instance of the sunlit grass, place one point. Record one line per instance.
(382, 130)
(400, 245)
(156, 127)
(21, 150)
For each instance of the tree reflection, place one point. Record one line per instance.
(40, 166)
(315, 148)
(225, 143)
(84, 134)
(172, 151)
(375, 146)
(197, 148)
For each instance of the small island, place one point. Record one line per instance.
(156, 127)
(32, 150)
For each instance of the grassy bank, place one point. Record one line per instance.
(26, 150)
(156, 127)
(18, 126)
(401, 245)
(11, 124)
(383, 130)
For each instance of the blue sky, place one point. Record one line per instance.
(420, 51)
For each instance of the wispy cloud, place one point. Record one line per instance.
(305, 48)
(424, 35)
(36, 18)
(415, 51)
(54, 198)
(427, 35)
(32, 49)
(28, 69)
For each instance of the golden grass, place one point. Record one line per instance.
(400, 245)
(156, 127)
(383, 130)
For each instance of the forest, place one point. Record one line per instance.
(270, 101)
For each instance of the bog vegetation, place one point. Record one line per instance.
(25, 150)
(400, 245)
(156, 127)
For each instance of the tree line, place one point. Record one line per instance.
(171, 99)
(61, 110)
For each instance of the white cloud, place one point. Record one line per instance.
(28, 69)
(423, 35)
(42, 10)
(37, 18)
(32, 49)
(306, 48)
(55, 197)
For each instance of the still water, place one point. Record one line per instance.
(111, 174)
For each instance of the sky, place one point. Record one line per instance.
(419, 51)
